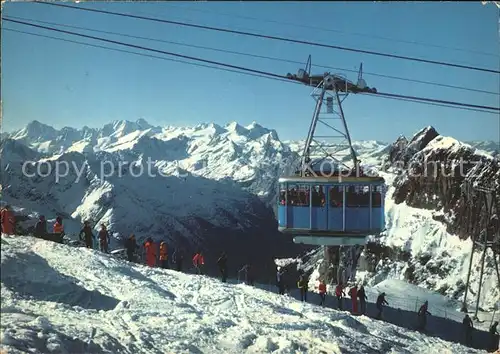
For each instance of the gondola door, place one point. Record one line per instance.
(335, 208)
(319, 213)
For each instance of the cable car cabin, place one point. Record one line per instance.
(329, 211)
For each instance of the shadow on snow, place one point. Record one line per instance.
(30, 276)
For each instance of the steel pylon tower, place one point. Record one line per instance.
(328, 142)
(328, 146)
(487, 236)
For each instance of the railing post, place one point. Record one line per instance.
(310, 207)
(370, 188)
(343, 206)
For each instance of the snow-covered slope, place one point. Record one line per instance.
(74, 300)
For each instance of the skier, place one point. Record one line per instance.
(249, 276)
(247, 270)
(131, 246)
(302, 285)
(339, 293)
(58, 229)
(41, 227)
(88, 235)
(199, 262)
(177, 258)
(362, 299)
(380, 302)
(104, 239)
(422, 315)
(149, 247)
(222, 263)
(279, 281)
(8, 220)
(494, 336)
(322, 291)
(468, 326)
(353, 293)
(163, 255)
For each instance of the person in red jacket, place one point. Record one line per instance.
(8, 220)
(354, 298)
(150, 252)
(322, 291)
(199, 262)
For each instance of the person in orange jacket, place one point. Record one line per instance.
(150, 252)
(322, 291)
(8, 220)
(163, 255)
(59, 228)
(199, 262)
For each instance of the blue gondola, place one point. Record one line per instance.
(315, 206)
(325, 211)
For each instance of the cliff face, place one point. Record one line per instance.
(403, 150)
(432, 171)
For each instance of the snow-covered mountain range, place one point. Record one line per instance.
(245, 155)
(215, 188)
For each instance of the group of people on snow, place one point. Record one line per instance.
(41, 229)
(354, 292)
(162, 260)
(358, 293)
(154, 255)
(150, 251)
(86, 234)
(468, 327)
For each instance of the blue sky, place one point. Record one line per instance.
(65, 84)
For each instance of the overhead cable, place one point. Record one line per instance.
(147, 55)
(333, 30)
(256, 56)
(227, 30)
(458, 104)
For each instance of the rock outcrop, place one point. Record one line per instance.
(435, 172)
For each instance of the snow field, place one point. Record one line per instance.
(61, 299)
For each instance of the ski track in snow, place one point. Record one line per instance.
(62, 299)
